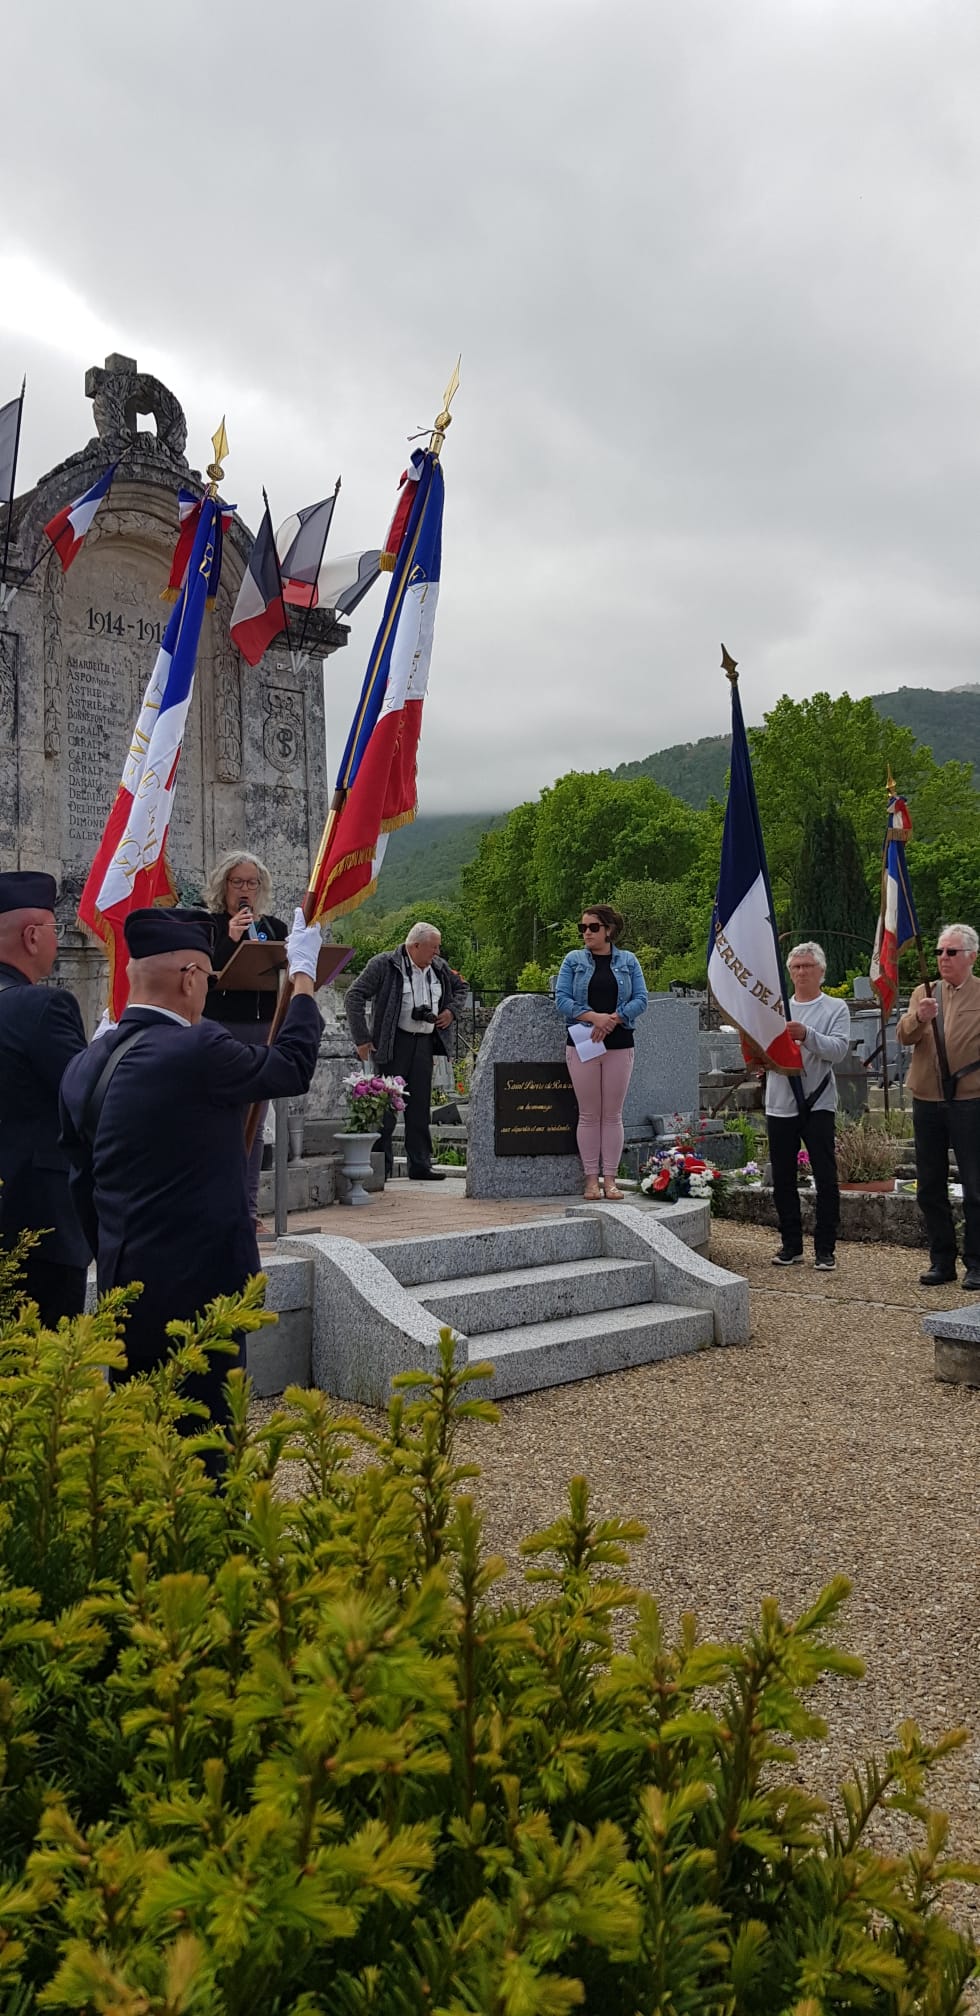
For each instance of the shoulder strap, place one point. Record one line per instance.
(92, 1111)
(947, 1083)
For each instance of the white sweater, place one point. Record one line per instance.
(828, 1025)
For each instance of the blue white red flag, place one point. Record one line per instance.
(376, 785)
(189, 517)
(130, 870)
(898, 924)
(745, 971)
(67, 529)
(259, 613)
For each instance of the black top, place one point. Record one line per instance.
(238, 1005)
(604, 998)
(40, 1032)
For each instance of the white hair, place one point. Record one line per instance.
(216, 893)
(966, 935)
(422, 931)
(811, 949)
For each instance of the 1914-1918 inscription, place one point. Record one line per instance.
(535, 1111)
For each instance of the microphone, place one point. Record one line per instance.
(251, 931)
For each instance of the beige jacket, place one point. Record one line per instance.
(961, 1027)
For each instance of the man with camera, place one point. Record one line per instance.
(413, 995)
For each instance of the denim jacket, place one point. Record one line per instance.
(572, 985)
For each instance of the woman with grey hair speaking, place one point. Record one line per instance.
(238, 896)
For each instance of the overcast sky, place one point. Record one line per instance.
(712, 266)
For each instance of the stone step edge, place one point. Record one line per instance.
(524, 1277)
(578, 1329)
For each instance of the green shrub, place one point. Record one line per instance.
(302, 1757)
(533, 978)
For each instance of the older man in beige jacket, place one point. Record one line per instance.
(943, 1029)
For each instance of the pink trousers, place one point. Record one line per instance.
(600, 1088)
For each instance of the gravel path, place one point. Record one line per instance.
(826, 1446)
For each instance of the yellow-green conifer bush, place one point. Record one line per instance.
(261, 1755)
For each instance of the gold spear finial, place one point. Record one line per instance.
(444, 419)
(891, 787)
(729, 666)
(219, 442)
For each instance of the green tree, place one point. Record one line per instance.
(592, 832)
(815, 754)
(500, 896)
(830, 896)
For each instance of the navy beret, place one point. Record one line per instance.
(27, 889)
(151, 931)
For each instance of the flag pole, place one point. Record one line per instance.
(890, 789)
(729, 666)
(10, 500)
(306, 612)
(308, 902)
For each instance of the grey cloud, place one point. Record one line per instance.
(714, 277)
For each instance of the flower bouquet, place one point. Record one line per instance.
(369, 1100)
(749, 1174)
(673, 1172)
(804, 1173)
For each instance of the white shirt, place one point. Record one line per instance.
(826, 1043)
(420, 989)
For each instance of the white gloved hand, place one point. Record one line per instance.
(303, 947)
(105, 1025)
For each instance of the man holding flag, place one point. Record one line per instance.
(943, 1030)
(745, 975)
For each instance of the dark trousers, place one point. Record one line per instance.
(58, 1291)
(939, 1126)
(815, 1133)
(412, 1060)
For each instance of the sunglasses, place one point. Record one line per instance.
(949, 952)
(583, 928)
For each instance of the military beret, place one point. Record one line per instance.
(27, 889)
(151, 931)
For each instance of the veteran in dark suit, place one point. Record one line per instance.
(40, 1032)
(158, 1151)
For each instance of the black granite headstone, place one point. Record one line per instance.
(535, 1110)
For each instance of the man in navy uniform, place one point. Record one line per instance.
(157, 1143)
(40, 1032)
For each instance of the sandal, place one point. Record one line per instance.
(592, 1192)
(612, 1195)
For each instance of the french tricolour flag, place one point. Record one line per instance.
(259, 614)
(898, 924)
(67, 529)
(376, 786)
(745, 972)
(130, 870)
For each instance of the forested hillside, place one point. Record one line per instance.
(425, 860)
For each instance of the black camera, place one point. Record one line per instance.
(423, 1015)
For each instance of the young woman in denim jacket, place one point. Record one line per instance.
(601, 985)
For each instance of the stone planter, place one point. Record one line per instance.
(883, 1186)
(356, 1164)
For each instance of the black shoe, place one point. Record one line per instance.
(935, 1277)
(971, 1278)
(426, 1175)
(785, 1259)
(825, 1263)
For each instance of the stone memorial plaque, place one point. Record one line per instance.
(535, 1110)
(111, 624)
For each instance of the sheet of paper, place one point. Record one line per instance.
(581, 1035)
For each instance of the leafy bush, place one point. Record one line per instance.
(533, 978)
(302, 1757)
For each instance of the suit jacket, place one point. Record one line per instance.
(40, 1032)
(163, 1189)
(381, 985)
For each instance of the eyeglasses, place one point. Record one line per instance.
(243, 881)
(950, 952)
(211, 978)
(583, 928)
